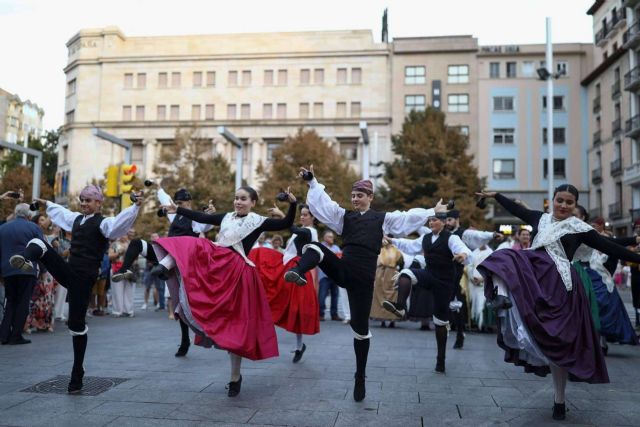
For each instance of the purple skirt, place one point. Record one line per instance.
(559, 321)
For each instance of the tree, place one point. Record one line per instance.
(21, 177)
(47, 144)
(302, 149)
(432, 162)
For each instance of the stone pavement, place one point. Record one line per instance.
(402, 389)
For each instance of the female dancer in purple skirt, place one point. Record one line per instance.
(544, 317)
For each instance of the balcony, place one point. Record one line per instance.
(616, 126)
(619, 19)
(632, 126)
(616, 168)
(596, 176)
(632, 79)
(615, 89)
(631, 174)
(601, 36)
(597, 138)
(629, 3)
(595, 212)
(615, 210)
(631, 37)
(634, 214)
(596, 104)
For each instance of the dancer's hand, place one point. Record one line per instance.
(486, 194)
(42, 202)
(440, 207)
(498, 237)
(306, 174)
(386, 240)
(171, 208)
(461, 257)
(275, 212)
(139, 195)
(292, 198)
(211, 209)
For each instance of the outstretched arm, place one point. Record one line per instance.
(476, 238)
(531, 217)
(61, 216)
(201, 217)
(117, 226)
(323, 208)
(165, 200)
(275, 224)
(400, 223)
(410, 246)
(593, 239)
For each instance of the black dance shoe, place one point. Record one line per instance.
(359, 390)
(21, 263)
(439, 366)
(182, 350)
(500, 302)
(394, 308)
(160, 271)
(459, 342)
(234, 387)
(122, 275)
(19, 341)
(559, 411)
(292, 276)
(75, 384)
(298, 354)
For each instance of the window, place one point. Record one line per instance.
(528, 69)
(318, 110)
(209, 112)
(414, 102)
(282, 77)
(176, 80)
(211, 78)
(304, 110)
(232, 79)
(71, 87)
(342, 76)
(464, 130)
(503, 135)
(195, 112)
(137, 153)
(511, 70)
(558, 102)
(69, 117)
(494, 70)
(245, 111)
(126, 113)
(267, 111)
(197, 79)
(175, 112)
(562, 67)
(355, 109)
(161, 112)
(458, 74)
(162, 80)
(349, 149)
(458, 103)
(558, 168)
(268, 77)
(142, 81)
(140, 113)
(341, 109)
(128, 81)
(415, 75)
(503, 103)
(231, 111)
(65, 153)
(318, 76)
(356, 76)
(558, 135)
(246, 78)
(504, 169)
(281, 111)
(271, 147)
(305, 76)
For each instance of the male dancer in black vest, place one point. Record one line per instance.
(362, 232)
(442, 252)
(90, 238)
(180, 226)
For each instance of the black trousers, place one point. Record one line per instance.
(18, 290)
(442, 291)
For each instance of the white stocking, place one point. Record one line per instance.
(168, 262)
(502, 288)
(298, 341)
(235, 366)
(559, 382)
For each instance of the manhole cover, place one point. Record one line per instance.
(92, 386)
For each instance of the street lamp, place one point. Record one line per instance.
(365, 151)
(226, 134)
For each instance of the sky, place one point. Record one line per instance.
(34, 33)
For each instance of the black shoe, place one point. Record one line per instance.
(425, 328)
(21, 263)
(160, 271)
(459, 342)
(605, 349)
(122, 275)
(359, 390)
(182, 350)
(293, 276)
(75, 384)
(336, 318)
(383, 324)
(234, 387)
(394, 308)
(19, 341)
(439, 366)
(500, 302)
(559, 411)
(322, 318)
(392, 324)
(298, 354)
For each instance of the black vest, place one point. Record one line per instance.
(181, 226)
(88, 244)
(439, 257)
(363, 231)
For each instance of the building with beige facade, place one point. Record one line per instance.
(19, 118)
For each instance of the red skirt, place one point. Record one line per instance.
(225, 297)
(294, 308)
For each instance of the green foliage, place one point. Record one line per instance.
(21, 177)
(48, 145)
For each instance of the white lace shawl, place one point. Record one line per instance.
(234, 228)
(596, 260)
(549, 233)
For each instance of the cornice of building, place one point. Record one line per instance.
(612, 59)
(534, 49)
(595, 6)
(96, 32)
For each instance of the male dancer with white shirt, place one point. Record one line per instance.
(90, 238)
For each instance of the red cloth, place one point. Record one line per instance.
(294, 308)
(225, 296)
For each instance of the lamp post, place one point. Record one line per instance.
(128, 147)
(365, 151)
(37, 164)
(226, 134)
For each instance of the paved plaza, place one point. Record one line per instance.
(402, 389)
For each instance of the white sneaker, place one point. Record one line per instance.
(143, 306)
(346, 321)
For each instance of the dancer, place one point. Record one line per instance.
(475, 285)
(180, 226)
(544, 320)
(293, 308)
(384, 287)
(216, 289)
(362, 232)
(442, 251)
(90, 238)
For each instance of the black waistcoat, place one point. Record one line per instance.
(88, 245)
(181, 226)
(439, 257)
(363, 232)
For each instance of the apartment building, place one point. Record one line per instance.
(18, 118)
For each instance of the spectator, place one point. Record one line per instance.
(122, 291)
(328, 286)
(60, 292)
(41, 308)
(277, 243)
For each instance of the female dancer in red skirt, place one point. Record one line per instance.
(216, 289)
(294, 308)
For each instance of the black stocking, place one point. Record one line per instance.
(404, 289)
(184, 329)
(441, 341)
(132, 253)
(309, 260)
(361, 348)
(79, 348)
